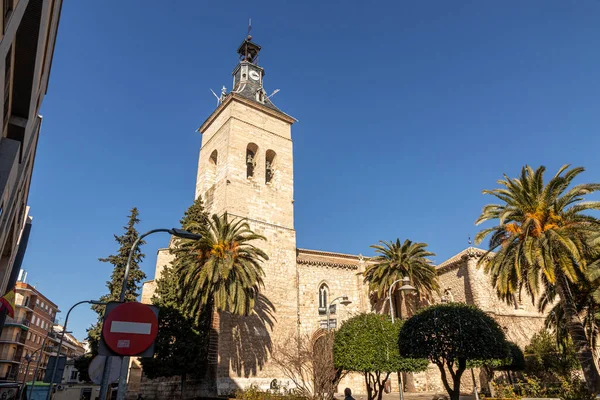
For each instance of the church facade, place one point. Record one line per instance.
(246, 169)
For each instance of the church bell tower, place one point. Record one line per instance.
(245, 168)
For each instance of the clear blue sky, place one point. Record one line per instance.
(406, 112)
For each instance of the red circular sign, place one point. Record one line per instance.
(130, 328)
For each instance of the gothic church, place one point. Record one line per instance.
(245, 168)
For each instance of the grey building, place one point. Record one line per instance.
(28, 35)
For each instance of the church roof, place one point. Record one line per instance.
(248, 92)
(328, 259)
(458, 258)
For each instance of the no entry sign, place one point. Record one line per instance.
(129, 328)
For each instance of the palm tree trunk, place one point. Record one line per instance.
(576, 330)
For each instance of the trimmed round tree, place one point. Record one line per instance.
(368, 343)
(450, 335)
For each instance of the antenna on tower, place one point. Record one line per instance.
(218, 98)
(273, 94)
(249, 28)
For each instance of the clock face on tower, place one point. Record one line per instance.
(254, 75)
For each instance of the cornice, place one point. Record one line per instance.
(231, 97)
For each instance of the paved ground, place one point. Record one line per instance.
(407, 396)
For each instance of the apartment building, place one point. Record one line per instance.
(28, 35)
(32, 336)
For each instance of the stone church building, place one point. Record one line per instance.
(246, 169)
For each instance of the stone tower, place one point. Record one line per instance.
(245, 168)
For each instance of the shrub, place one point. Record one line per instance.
(368, 343)
(450, 335)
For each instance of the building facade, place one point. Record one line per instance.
(27, 43)
(31, 337)
(245, 168)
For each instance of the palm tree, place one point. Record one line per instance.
(226, 271)
(395, 260)
(541, 242)
(586, 294)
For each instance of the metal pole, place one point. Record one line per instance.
(474, 385)
(328, 305)
(121, 391)
(60, 342)
(105, 376)
(390, 298)
(328, 313)
(37, 367)
(28, 363)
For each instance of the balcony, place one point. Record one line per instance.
(14, 339)
(27, 306)
(23, 323)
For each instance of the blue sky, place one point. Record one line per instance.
(406, 112)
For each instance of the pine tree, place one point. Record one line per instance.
(181, 347)
(119, 261)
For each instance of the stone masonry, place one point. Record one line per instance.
(245, 168)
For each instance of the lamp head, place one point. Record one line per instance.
(181, 233)
(345, 301)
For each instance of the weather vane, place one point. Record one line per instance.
(249, 28)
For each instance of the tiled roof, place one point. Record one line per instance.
(328, 259)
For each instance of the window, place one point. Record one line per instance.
(42, 304)
(33, 320)
(323, 294)
(28, 335)
(251, 152)
(212, 168)
(7, 74)
(74, 375)
(37, 302)
(269, 165)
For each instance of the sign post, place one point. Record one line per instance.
(129, 329)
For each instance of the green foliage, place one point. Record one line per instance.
(569, 387)
(544, 358)
(181, 346)
(513, 360)
(368, 343)
(543, 240)
(395, 261)
(224, 266)
(449, 335)
(450, 332)
(119, 261)
(277, 393)
(82, 365)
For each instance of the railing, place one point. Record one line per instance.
(21, 321)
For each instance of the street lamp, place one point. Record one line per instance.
(343, 301)
(60, 342)
(180, 233)
(406, 287)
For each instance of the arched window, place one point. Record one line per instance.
(269, 165)
(323, 298)
(251, 152)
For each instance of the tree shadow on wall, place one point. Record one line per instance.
(247, 344)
